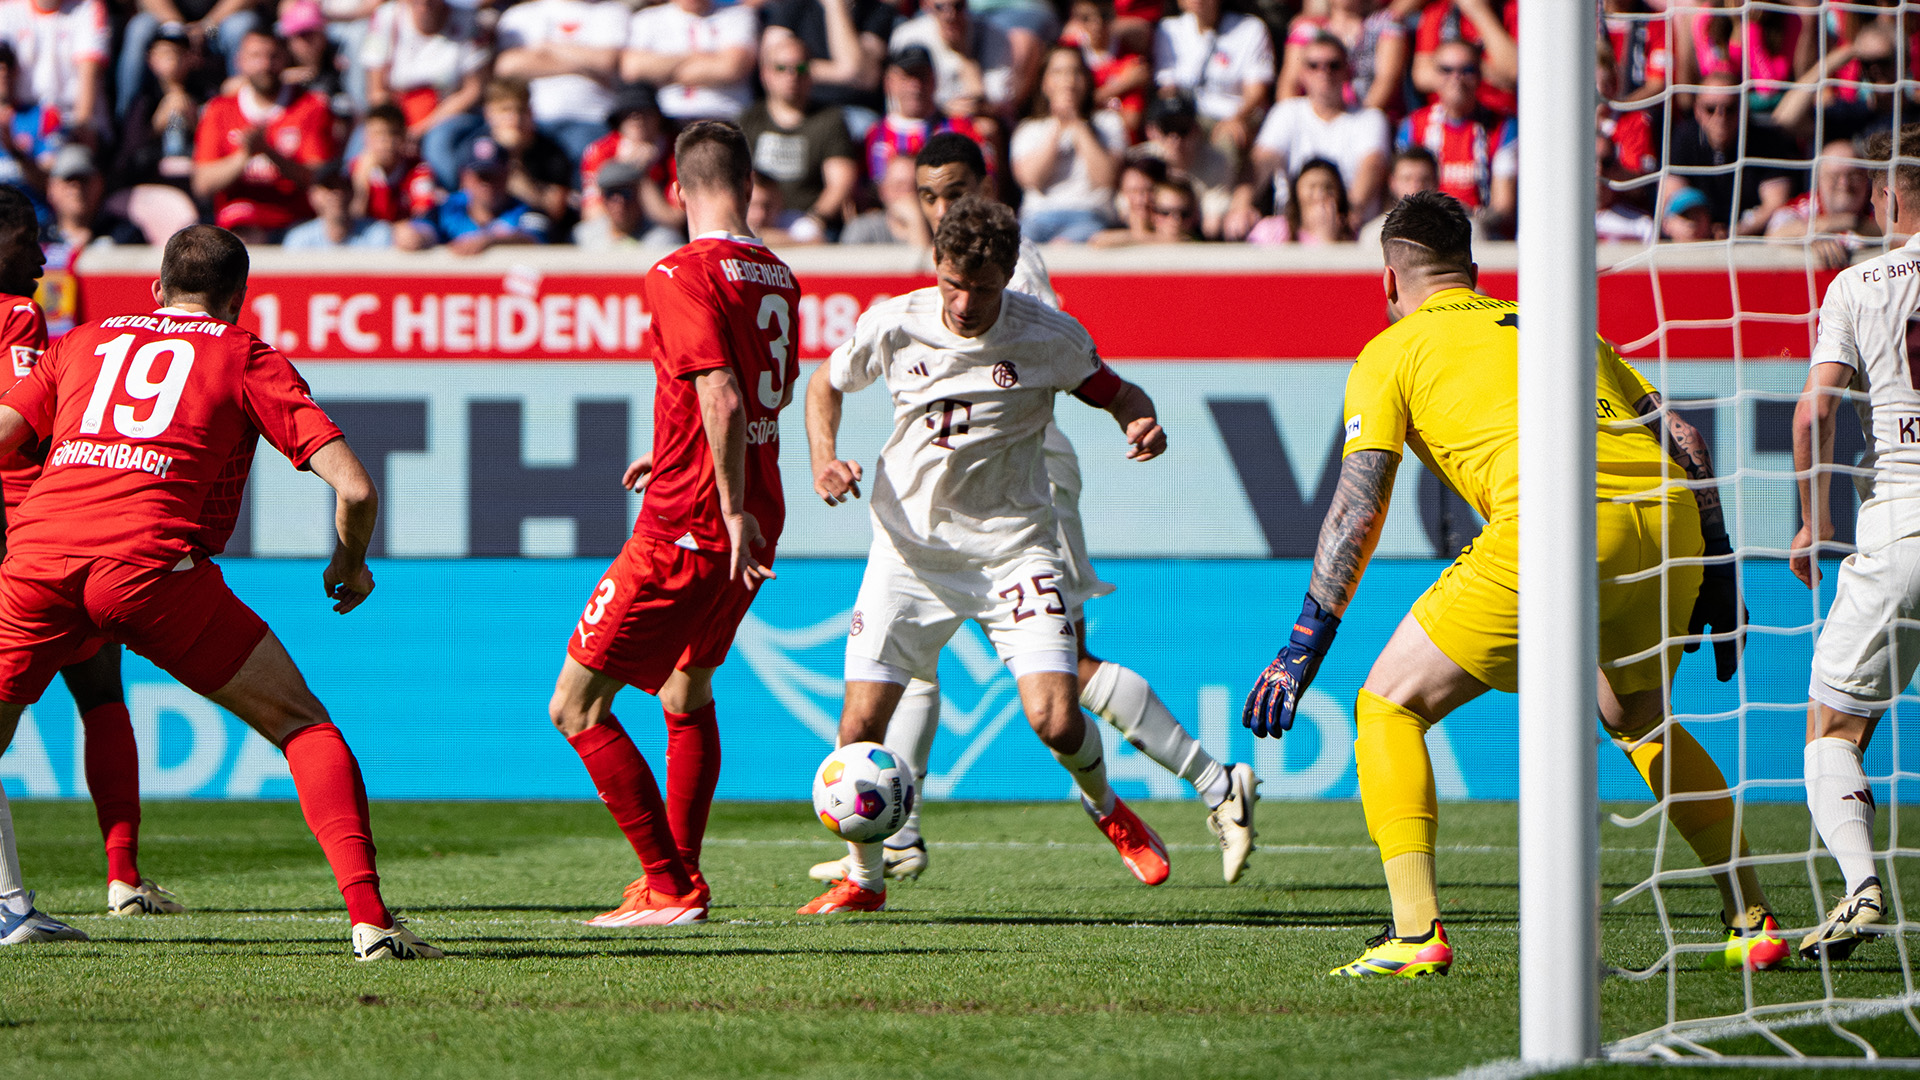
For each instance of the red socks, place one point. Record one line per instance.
(693, 771)
(334, 801)
(626, 785)
(113, 778)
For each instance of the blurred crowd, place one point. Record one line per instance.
(468, 124)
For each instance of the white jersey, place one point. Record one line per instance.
(962, 481)
(1870, 321)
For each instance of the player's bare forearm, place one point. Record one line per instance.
(1133, 410)
(1688, 448)
(346, 579)
(1352, 528)
(15, 432)
(1814, 418)
(724, 417)
(833, 479)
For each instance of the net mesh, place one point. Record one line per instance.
(1661, 927)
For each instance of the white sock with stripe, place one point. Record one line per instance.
(1841, 802)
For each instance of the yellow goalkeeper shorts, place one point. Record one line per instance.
(1473, 612)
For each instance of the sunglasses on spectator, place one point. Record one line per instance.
(948, 9)
(1326, 65)
(1715, 108)
(1168, 211)
(1462, 72)
(790, 69)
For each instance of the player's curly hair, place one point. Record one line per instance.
(1428, 229)
(977, 232)
(205, 264)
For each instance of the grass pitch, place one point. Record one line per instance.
(1026, 950)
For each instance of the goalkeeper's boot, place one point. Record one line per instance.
(1755, 946)
(1232, 821)
(34, 926)
(643, 905)
(394, 942)
(145, 898)
(845, 896)
(1139, 846)
(1847, 926)
(1403, 957)
(906, 863)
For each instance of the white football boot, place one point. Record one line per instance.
(1232, 821)
(145, 898)
(906, 864)
(394, 942)
(34, 926)
(1848, 926)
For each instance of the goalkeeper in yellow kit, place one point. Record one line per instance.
(1444, 381)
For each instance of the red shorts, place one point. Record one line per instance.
(56, 610)
(659, 608)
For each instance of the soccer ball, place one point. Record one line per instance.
(863, 792)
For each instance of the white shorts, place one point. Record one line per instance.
(904, 616)
(1063, 475)
(1870, 645)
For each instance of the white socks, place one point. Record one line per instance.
(1841, 802)
(1089, 768)
(13, 891)
(868, 865)
(1121, 697)
(910, 734)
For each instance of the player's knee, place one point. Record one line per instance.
(570, 716)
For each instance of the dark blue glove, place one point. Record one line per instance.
(1718, 609)
(1269, 709)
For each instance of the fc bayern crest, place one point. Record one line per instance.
(1004, 376)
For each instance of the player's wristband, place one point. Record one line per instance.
(1314, 629)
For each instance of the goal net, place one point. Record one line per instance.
(1757, 113)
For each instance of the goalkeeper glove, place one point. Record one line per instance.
(1271, 704)
(1718, 609)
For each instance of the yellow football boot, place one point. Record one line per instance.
(1406, 957)
(1756, 946)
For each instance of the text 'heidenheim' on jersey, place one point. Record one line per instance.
(775, 274)
(111, 456)
(161, 324)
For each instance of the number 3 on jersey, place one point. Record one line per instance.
(774, 309)
(140, 386)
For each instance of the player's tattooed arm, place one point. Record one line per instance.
(1688, 448)
(1352, 528)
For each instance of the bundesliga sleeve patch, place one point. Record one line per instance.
(1353, 427)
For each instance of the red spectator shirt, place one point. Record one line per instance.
(721, 301)
(152, 422)
(1632, 136)
(1441, 22)
(602, 150)
(1465, 149)
(1640, 47)
(409, 191)
(23, 331)
(299, 126)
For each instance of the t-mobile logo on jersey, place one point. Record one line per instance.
(952, 420)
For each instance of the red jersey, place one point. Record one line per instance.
(152, 421)
(299, 126)
(1466, 150)
(23, 334)
(604, 149)
(719, 302)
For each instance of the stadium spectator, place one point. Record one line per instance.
(1483, 25)
(1847, 112)
(1637, 36)
(774, 222)
(847, 40)
(314, 61)
(256, 148)
(1464, 137)
(1768, 46)
(335, 224)
(216, 26)
(1321, 126)
(1175, 139)
(1616, 219)
(1225, 60)
(623, 221)
(426, 57)
(1837, 213)
(1066, 157)
(1742, 194)
(19, 167)
(898, 220)
(156, 136)
(569, 54)
(1175, 212)
(481, 215)
(912, 113)
(1413, 169)
(1629, 134)
(639, 138)
(806, 151)
(387, 183)
(60, 56)
(1032, 27)
(76, 193)
(972, 63)
(1122, 77)
(1376, 45)
(1688, 218)
(1133, 203)
(539, 170)
(1316, 212)
(701, 57)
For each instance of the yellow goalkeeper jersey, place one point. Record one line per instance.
(1444, 380)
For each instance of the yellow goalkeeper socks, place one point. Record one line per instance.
(1396, 791)
(1706, 824)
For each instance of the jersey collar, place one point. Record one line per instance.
(182, 313)
(1447, 295)
(722, 234)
